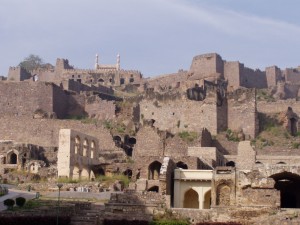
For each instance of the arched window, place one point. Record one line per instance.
(154, 189)
(101, 80)
(92, 149)
(77, 145)
(154, 170)
(230, 163)
(223, 195)
(122, 81)
(181, 165)
(13, 158)
(85, 147)
(128, 173)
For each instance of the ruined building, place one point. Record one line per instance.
(186, 140)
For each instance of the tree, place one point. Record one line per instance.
(32, 62)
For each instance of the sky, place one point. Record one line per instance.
(153, 36)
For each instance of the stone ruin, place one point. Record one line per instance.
(167, 143)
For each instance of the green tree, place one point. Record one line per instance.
(32, 62)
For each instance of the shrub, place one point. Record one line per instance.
(20, 201)
(188, 136)
(9, 203)
(296, 144)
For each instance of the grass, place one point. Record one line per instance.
(111, 179)
(188, 136)
(67, 180)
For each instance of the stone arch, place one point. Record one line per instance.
(282, 163)
(191, 199)
(85, 148)
(85, 173)
(128, 173)
(230, 163)
(128, 151)
(131, 141)
(207, 200)
(77, 145)
(12, 157)
(223, 195)
(154, 189)
(181, 165)
(117, 140)
(98, 171)
(76, 173)
(288, 184)
(101, 80)
(293, 125)
(154, 170)
(92, 146)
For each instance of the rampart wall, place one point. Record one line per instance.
(45, 132)
(292, 76)
(26, 97)
(242, 111)
(253, 78)
(181, 114)
(278, 106)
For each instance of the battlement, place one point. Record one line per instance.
(207, 56)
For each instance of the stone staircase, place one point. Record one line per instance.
(88, 216)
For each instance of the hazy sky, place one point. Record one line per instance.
(153, 36)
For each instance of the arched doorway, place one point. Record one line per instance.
(191, 199)
(128, 173)
(154, 189)
(230, 163)
(207, 200)
(181, 165)
(293, 123)
(288, 184)
(154, 170)
(85, 174)
(223, 195)
(13, 158)
(76, 173)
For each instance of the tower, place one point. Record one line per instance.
(118, 61)
(96, 61)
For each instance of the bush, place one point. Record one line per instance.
(188, 136)
(20, 201)
(9, 203)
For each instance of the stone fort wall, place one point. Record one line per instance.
(181, 114)
(278, 106)
(242, 111)
(26, 97)
(45, 132)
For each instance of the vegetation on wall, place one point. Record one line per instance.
(188, 136)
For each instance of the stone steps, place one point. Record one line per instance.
(91, 216)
